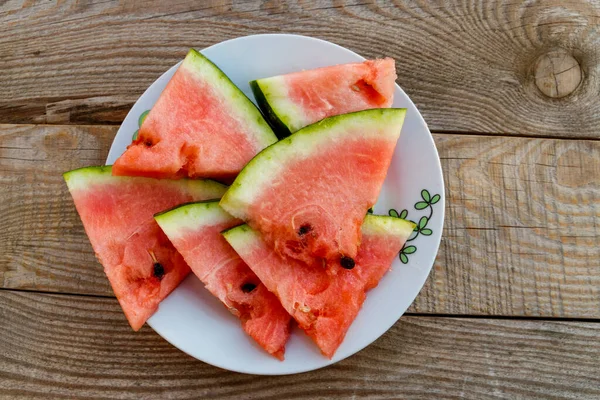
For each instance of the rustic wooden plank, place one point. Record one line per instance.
(470, 65)
(42, 242)
(522, 233)
(58, 346)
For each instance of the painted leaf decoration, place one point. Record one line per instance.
(435, 199)
(421, 205)
(404, 214)
(393, 213)
(425, 195)
(409, 250)
(142, 118)
(403, 258)
(426, 231)
(422, 222)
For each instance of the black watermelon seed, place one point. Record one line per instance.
(304, 229)
(159, 270)
(347, 262)
(148, 143)
(248, 287)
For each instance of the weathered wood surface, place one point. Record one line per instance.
(521, 235)
(470, 66)
(60, 346)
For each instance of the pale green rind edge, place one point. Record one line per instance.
(276, 111)
(88, 172)
(86, 177)
(196, 62)
(241, 236)
(385, 225)
(265, 166)
(193, 215)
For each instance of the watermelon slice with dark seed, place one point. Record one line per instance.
(324, 298)
(195, 231)
(117, 213)
(308, 194)
(202, 126)
(296, 100)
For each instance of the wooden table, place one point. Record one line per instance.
(509, 88)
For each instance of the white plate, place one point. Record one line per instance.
(195, 322)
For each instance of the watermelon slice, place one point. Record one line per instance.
(308, 194)
(195, 231)
(202, 126)
(296, 100)
(117, 213)
(324, 298)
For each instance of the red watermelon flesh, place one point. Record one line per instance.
(195, 231)
(117, 213)
(324, 298)
(308, 194)
(202, 126)
(296, 100)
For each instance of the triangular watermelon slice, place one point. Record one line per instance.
(117, 213)
(195, 231)
(324, 298)
(202, 126)
(296, 100)
(308, 194)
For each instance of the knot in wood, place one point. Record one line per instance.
(557, 74)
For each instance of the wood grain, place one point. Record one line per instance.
(522, 228)
(469, 65)
(522, 233)
(42, 241)
(56, 346)
(557, 74)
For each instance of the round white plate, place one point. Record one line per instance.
(195, 322)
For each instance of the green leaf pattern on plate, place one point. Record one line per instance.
(141, 119)
(427, 201)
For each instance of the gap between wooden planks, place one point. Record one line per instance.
(65, 346)
(521, 236)
(469, 65)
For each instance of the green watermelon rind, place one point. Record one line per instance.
(242, 235)
(86, 177)
(196, 63)
(278, 121)
(262, 170)
(194, 215)
(95, 171)
(386, 225)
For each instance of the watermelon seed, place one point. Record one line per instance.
(148, 143)
(355, 88)
(304, 229)
(159, 270)
(248, 287)
(347, 262)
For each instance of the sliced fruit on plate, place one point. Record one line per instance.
(195, 231)
(296, 100)
(308, 194)
(324, 298)
(117, 213)
(202, 126)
